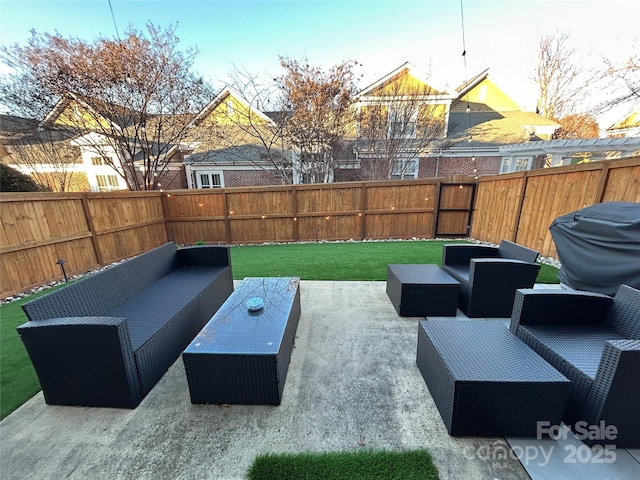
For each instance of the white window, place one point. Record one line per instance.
(515, 164)
(522, 164)
(209, 180)
(405, 168)
(106, 183)
(230, 109)
(402, 123)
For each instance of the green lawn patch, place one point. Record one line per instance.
(360, 465)
(341, 261)
(18, 380)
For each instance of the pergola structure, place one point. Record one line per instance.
(562, 152)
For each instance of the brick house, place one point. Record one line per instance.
(406, 128)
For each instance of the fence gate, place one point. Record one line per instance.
(455, 209)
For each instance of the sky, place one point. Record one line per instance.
(501, 35)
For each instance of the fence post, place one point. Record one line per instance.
(92, 230)
(363, 211)
(436, 210)
(523, 191)
(227, 225)
(163, 200)
(602, 183)
(294, 201)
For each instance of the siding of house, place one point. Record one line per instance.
(231, 111)
(487, 93)
(78, 181)
(76, 114)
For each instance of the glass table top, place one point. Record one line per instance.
(234, 329)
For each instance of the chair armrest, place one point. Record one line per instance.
(83, 360)
(514, 251)
(461, 254)
(558, 307)
(205, 256)
(502, 274)
(509, 272)
(615, 393)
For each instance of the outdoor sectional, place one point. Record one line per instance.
(594, 341)
(106, 340)
(489, 276)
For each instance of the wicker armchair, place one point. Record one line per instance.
(594, 341)
(489, 276)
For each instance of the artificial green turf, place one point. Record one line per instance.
(341, 261)
(360, 465)
(18, 380)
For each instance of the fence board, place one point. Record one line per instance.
(502, 194)
(87, 230)
(623, 185)
(548, 194)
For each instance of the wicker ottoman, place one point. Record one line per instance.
(242, 357)
(487, 382)
(421, 290)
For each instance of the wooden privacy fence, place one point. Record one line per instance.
(92, 229)
(521, 206)
(85, 230)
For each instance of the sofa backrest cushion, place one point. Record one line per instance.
(624, 314)
(101, 292)
(514, 251)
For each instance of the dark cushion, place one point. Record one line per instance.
(580, 347)
(151, 309)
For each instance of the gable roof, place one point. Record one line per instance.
(463, 89)
(117, 116)
(630, 121)
(25, 131)
(481, 94)
(222, 97)
(407, 68)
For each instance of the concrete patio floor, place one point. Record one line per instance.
(352, 384)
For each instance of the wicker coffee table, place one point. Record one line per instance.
(242, 356)
(487, 382)
(421, 290)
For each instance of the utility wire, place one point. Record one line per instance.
(114, 20)
(466, 80)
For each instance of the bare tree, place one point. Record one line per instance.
(45, 154)
(562, 82)
(621, 83)
(50, 158)
(252, 131)
(318, 114)
(395, 126)
(138, 94)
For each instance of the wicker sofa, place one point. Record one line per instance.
(489, 276)
(106, 340)
(594, 341)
